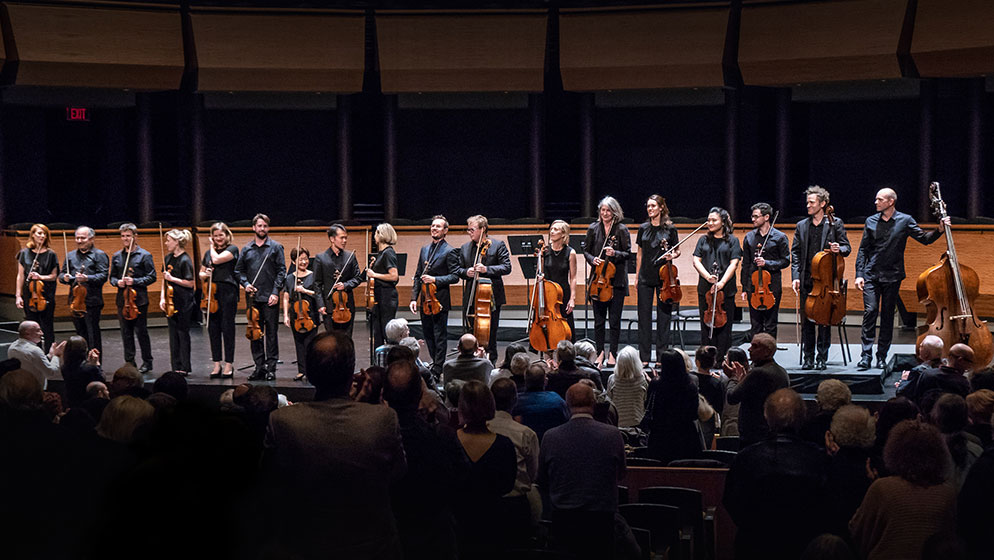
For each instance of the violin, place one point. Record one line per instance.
(302, 321)
(167, 287)
(208, 303)
(715, 316)
(669, 281)
(36, 301)
(253, 325)
(603, 274)
(77, 303)
(370, 284)
(826, 304)
(481, 299)
(547, 327)
(341, 314)
(948, 291)
(427, 298)
(130, 310)
(762, 294)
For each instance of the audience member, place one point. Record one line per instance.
(367, 387)
(173, 384)
(516, 372)
(504, 370)
(983, 379)
(411, 343)
(710, 384)
(980, 408)
(930, 356)
(754, 385)
(586, 355)
(627, 387)
(832, 395)
(772, 481)
(730, 412)
(975, 516)
(80, 367)
(671, 411)
(948, 378)
(848, 441)
(892, 413)
(567, 372)
(828, 547)
(604, 409)
(125, 420)
(28, 351)
(950, 416)
(537, 408)
(395, 330)
(469, 364)
(128, 381)
(901, 511)
(520, 504)
(335, 459)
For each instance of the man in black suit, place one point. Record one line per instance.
(336, 270)
(437, 264)
(813, 235)
(493, 264)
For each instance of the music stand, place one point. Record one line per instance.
(523, 244)
(529, 269)
(578, 243)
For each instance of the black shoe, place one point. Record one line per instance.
(257, 375)
(821, 364)
(146, 367)
(271, 376)
(808, 363)
(881, 363)
(864, 363)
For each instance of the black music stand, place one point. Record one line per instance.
(523, 244)
(578, 242)
(529, 269)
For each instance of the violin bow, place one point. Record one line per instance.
(681, 242)
(767, 238)
(210, 280)
(339, 277)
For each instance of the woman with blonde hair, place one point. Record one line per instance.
(627, 388)
(38, 262)
(559, 265)
(179, 275)
(124, 419)
(383, 270)
(218, 267)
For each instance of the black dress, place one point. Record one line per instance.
(46, 263)
(301, 340)
(386, 296)
(556, 264)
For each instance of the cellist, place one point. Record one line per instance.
(716, 257)
(494, 264)
(764, 248)
(880, 270)
(38, 263)
(654, 239)
(438, 263)
(596, 250)
(560, 267)
(261, 269)
(140, 274)
(811, 237)
(87, 266)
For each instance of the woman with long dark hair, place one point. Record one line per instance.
(655, 237)
(671, 411)
(715, 258)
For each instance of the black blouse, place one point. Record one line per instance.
(224, 273)
(717, 250)
(622, 250)
(47, 263)
(557, 268)
(653, 241)
(385, 260)
(309, 282)
(182, 269)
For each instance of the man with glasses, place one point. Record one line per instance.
(764, 248)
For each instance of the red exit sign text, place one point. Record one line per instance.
(77, 114)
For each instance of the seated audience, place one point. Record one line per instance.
(948, 378)
(469, 364)
(128, 381)
(930, 356)
(585, 356)
(975, 516)
(980, 408)
(710, 384)
(80, 367)
(604, 409)
(828, 547)
(537, 408)
(892, 413)
(517, 504)
(395, 330)
(754, 385)
(901, 511)
(411, 343)
(983, 379)
(950, 416)
(627, 388)
(27, 350)
(173, 384)
(125, 420)
(832, 395)
(504, 370)
(567, 372)
(671, 411)
(516, 373)
(367, 387)
(730, 412)
(848, 441)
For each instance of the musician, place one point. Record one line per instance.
(880, 270)
(38, 262)
(261, 269)
(301, 285)
(493, 265)
(383, 271)
(560, 267)
(179, 274)
(596, 250)
(719, 251)
(87, 266)
(218, 266)
(438, 263)
(653, 240)
(337, 270)
(775, 256)
(140, 274)
(811, 237)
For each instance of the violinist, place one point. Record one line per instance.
(596, 250)
(880, 270)
(494, 264)
(218, 266)
(87, 266)
(560, 267)
(812, 236)
(38, 263)
(774, 257)
(438, 263)
(179, 273)
(301, 284)
(337, 270)
(261, 270)
(384, 273)
(654, 238)
(720, 250)
(140, 274)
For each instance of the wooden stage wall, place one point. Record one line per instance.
(972, 243)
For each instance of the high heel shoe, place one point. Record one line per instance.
(228, 373)
(216, 373)
(299, 377)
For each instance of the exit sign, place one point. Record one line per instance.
(77, 114)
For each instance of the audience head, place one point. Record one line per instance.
(893, 412)
(705, 358)
(565, 353)
(125, 419)
(519, 364)
(396, 329)
(691, 364)
(126, 379)
(960, 357)
(162, 402)
(586, 350)
(260, 400)
(505, 394)
(30, 331)
(330, 364)
(173, 384)
(513, 349)
(949, 413)
(629, 364)
(476, 404)
(535, 378)
(10, 364)
(401, 352)
(930, 348)
(980, 406)
(74, 353)
(19, 390)
(762, 348)
(581, 399)
(784, 411)
(833, 394)
(852, 426)
(735, 355)
(672, 366)
(402, 389)
(97, 390)
(467, 345)
(828, 547)
(370, 385)
(916, 452)
(983, 379)
(452, 390)
(411, 344)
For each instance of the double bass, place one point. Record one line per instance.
(948, 291)
(826, 304)
(546, 325)
(762, 297)
(480, 299)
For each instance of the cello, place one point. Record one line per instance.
(714, 316)
(77, 303)
(948, 291)
(762, 297)
(130, 310)
(603, 274)
(480, 299)
(826, 304)
(546, 325)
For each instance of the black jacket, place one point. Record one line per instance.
(800, 260)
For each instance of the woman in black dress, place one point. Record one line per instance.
(38, 262)
(179, 274)
(300, 285)
(716, 257)
(383, 271)
(560, 267)
(218, 266)
(654, 238)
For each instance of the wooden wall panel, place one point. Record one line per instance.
(954, 38)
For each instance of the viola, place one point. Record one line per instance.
(77, 301)
(715, 316)
(341, 314)
(762, 293)
(547, 327)
(170, 294)
(253, 328)
(481, 299)
(370, 285)
(427, 298)
(36, 301)
(948, 291)
(302, 322)
(669, 281)
(130, 310)
(603, 274)
(208, 303)
(826, 304)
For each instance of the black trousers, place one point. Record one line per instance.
(221, 329)
(879, 298)
(330, 325)
(300, 342)
(610, 311)
(436, 337)
(137, 327)
(809, 342)
(46, 319)
(383, 312)
(179, 339)
(266, 350)
(647, 296)
(494, 325)
(721, 337)
(88, 327)
(765, 320)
